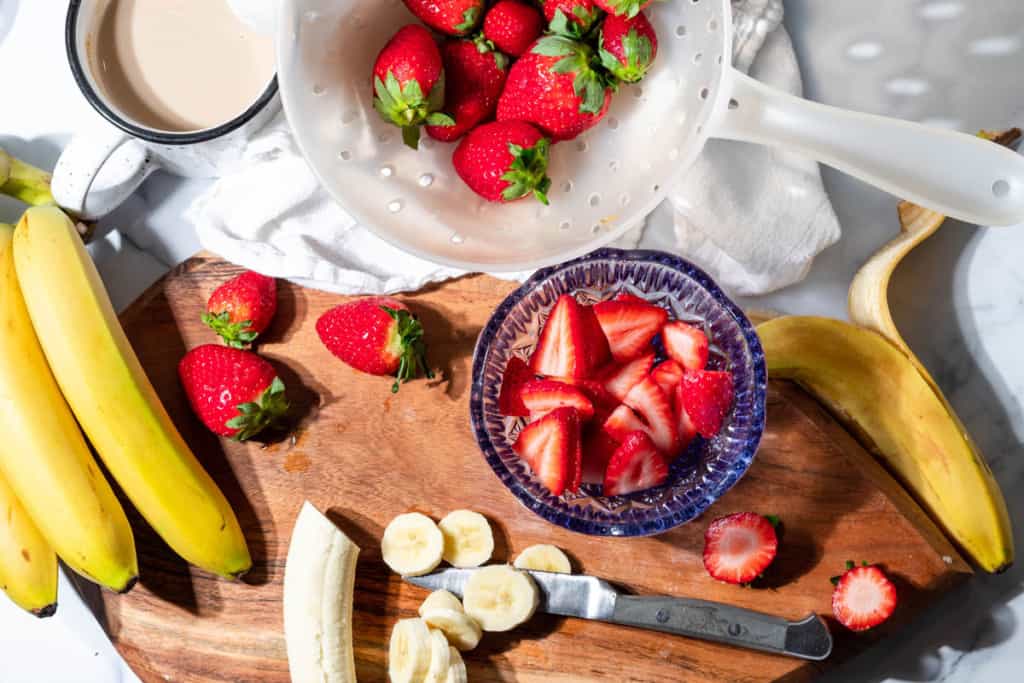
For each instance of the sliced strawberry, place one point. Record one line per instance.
(628, 298)
(622, 422)
(550, 446)
(864, 597)
(636, 465)
(647, 399)
(629, 326)
(517, 373)
(600, 397)
(541, 396)
(706, 397)
(619, 379)
(598, 449)
(738, 548)
(575, 465)
(569, 345)
(668, 375)
(686, 345)
(685, 431)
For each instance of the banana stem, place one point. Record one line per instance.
(24, 181)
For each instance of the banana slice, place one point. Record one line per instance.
(500, 597)
(456, 668)
(544, 558)
(410, 651)
(461, 629)
(468, 541)
(412, 544)
(440, 659)
(440, 599)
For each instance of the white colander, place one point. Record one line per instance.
(609, 178)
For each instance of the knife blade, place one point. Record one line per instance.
(588, 597)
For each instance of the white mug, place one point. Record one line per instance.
(99, 170)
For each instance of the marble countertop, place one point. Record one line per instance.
(959, 299)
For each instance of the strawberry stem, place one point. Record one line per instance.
(268, 410)
(413, 359)
(237, 335)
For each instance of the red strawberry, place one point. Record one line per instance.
(555, 86)
(668, 375)
(635, 466)
(571, 344)
(541, 396)
(647, 399)
(598, 449)
(235, 393)
(241, 308)
(572, 18)
(513, 26)
(408, 82)
(738, 548)
(454, 17)
(685, 431)
(474, 78)
(864, 597)
(628, 47)
(619, 379)
(377, 335)
(504, 161)
(629, 298)
(707, 398)
(626, 8)
(629, 326)
(686, 345)
(622, 422)
(517, 373)
(550, 446)
(601, 399)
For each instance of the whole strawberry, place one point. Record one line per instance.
(622, 8)
(235, 393)
(454, 17)
(572, 18)
(408, 82)
(556, 87)
(628, 47)
(475, 77)
(503, 161)
(512, 26)
(376, 335)
(241, 308)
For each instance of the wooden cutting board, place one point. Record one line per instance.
(365, 455)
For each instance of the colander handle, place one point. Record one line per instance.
(959, 175)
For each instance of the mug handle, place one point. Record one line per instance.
(81, 163)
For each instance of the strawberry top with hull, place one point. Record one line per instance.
(572, 18)
(626, 8)
(242, 308)
(504, 161)
(628, 47)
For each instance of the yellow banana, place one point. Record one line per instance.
(875, 388)
(28, 565)
(114, 401)
(23, 181)
(44, 457)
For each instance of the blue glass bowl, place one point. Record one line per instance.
(699, 476)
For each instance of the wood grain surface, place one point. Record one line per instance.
(365, 455)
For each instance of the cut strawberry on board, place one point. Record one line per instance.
(686, 345)
(629, 326)
(685, 431)
(636, 465)
(706, 397)
(598, 449)
(864, 597)
(517, 373)
(541, 396)
(620, 379)
(738, 548)
(622, 422)
(668, 375)
(550, 446)
(571, 344)
(647, 399)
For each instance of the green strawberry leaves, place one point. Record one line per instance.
(637, 50)
(405, 106)
(236, 335)
(589, 83)
(626, 8)
(585, 20)
(414, 352)
(268, 410)
(528, 172)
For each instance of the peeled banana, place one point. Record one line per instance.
(44, 458)
(440, 599)
(543, 558)
(28, 565)
(103, 382)
(409, 651)
(874, 387)
(412, 544)
(440, 658)
(500, 598)
(468, 539)
(462, 630)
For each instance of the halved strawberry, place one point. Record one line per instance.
(571, 344)
(550, 446)
(636, 465)
(619, 379)
(864, 597)
(622, 422)
(517, 373)
(668, 374)
(629, 326)
(647, 399)
(686, 345)
(598, 449)
(738, 548)
(685, 431)
(706, 397)
(628, 298)
(541, 396)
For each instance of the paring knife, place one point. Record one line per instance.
(588, 597)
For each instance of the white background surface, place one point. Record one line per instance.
(959, 299)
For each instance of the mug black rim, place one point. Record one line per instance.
(150, 134)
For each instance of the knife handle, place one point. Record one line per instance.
(806, 639)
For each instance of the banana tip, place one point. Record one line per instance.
(47, 611)
(129, 585)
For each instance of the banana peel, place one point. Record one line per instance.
(24, 181)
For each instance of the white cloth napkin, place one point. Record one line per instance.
(753, 237)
